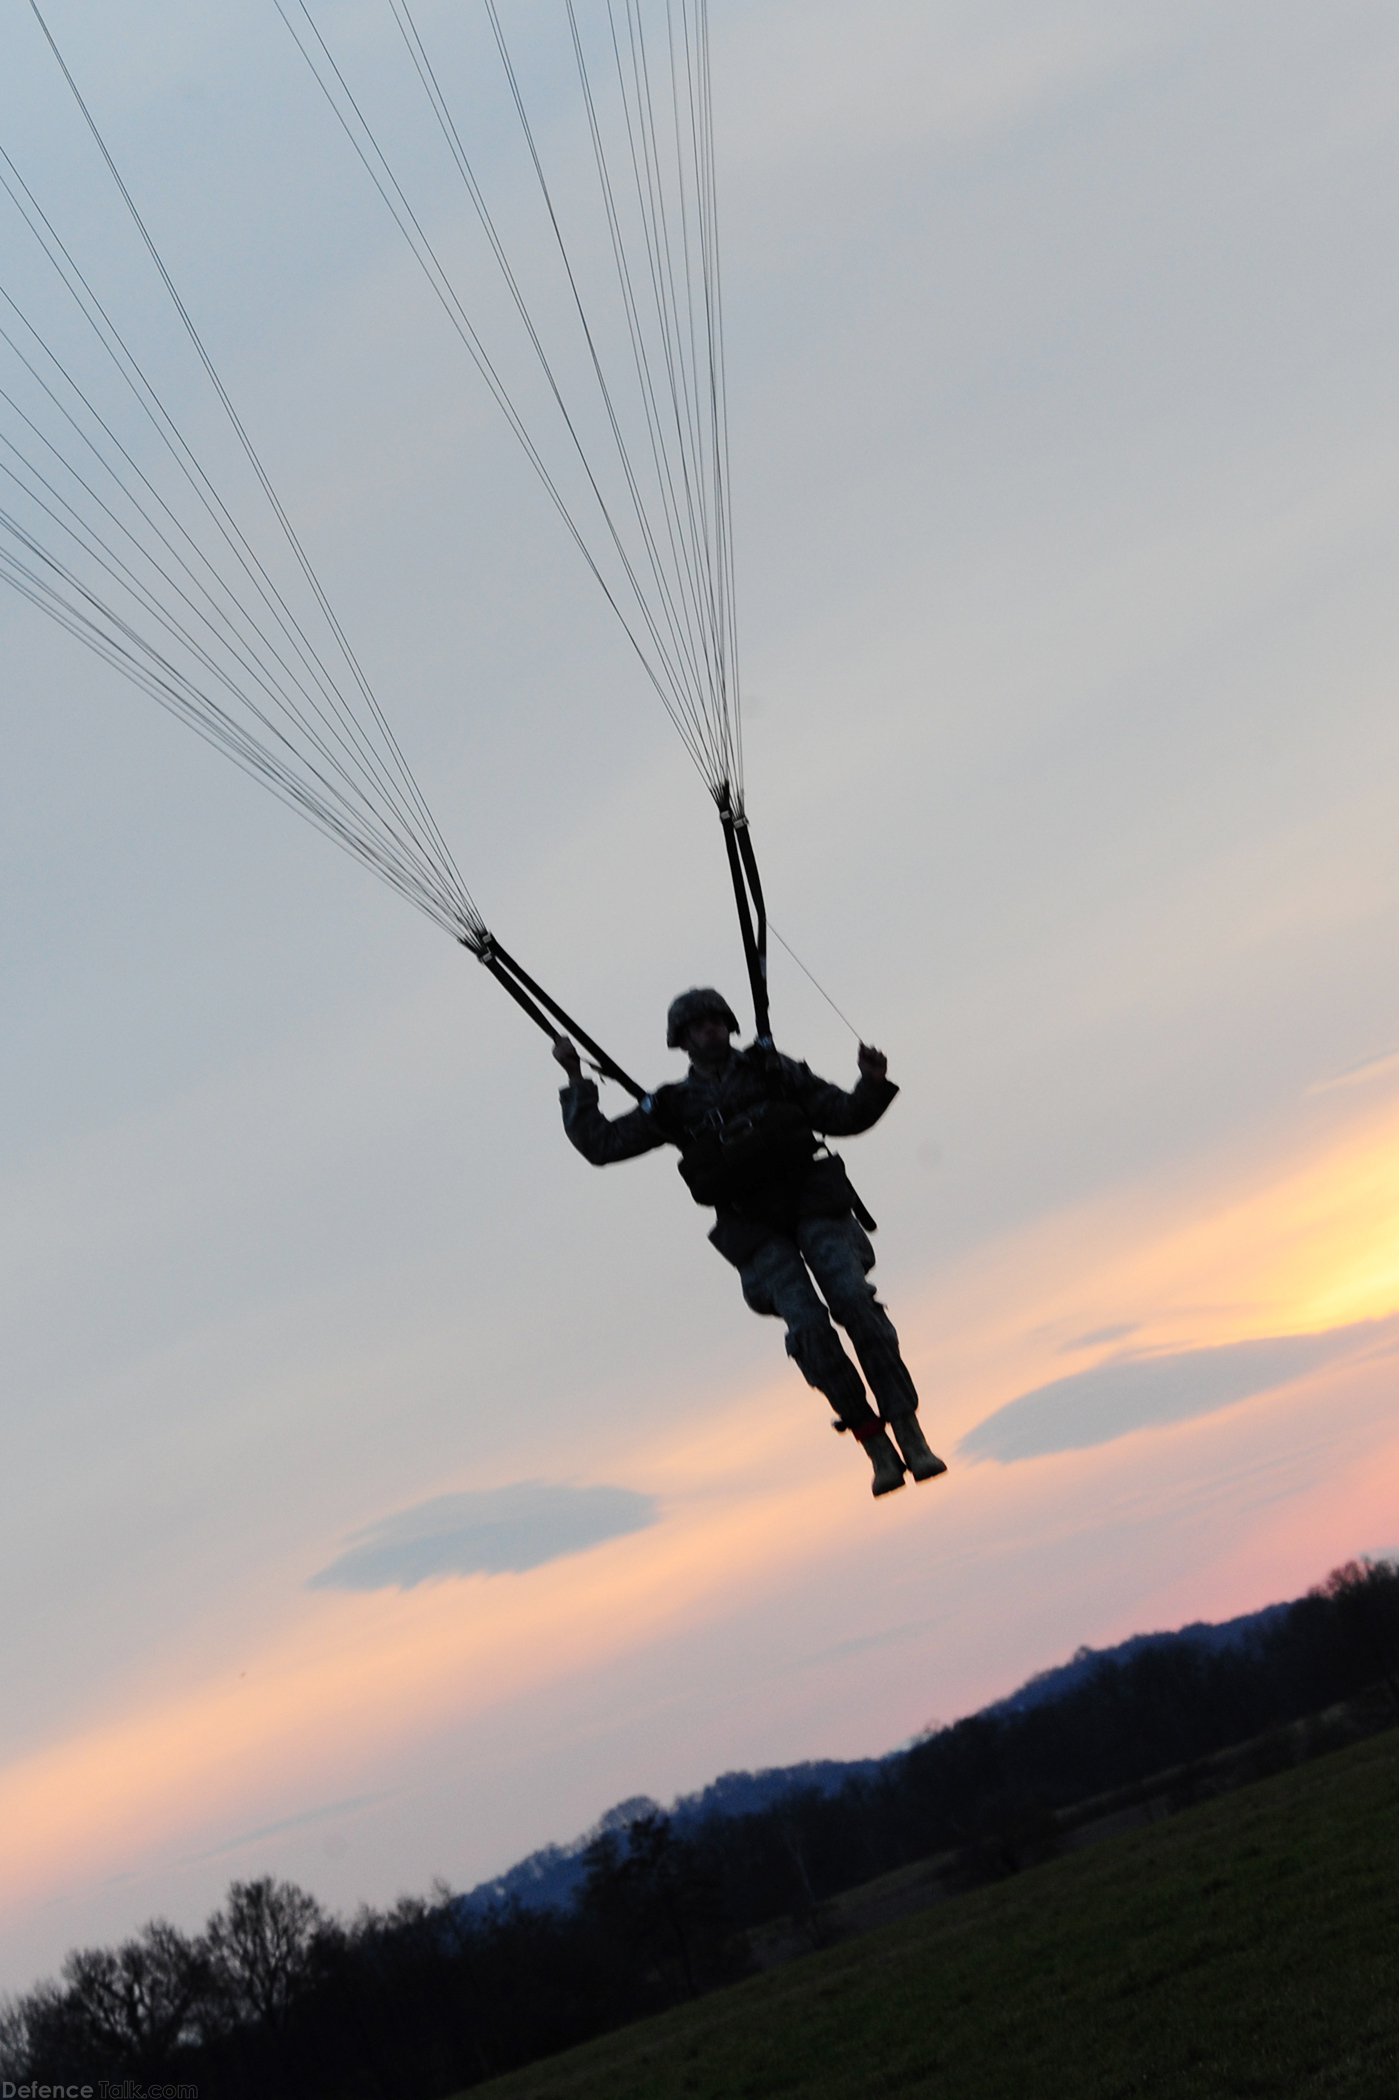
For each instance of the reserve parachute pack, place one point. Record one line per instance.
(727, 1159)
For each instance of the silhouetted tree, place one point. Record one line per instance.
(14, 2038)
(127, 2012)
(265, 1948)
(1364, 1596)
(653, 1894)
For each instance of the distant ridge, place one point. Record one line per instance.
(550, 1878)
(1067, 1677)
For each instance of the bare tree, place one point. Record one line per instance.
(15, 2058)
(123, 2010)
(268, 1945)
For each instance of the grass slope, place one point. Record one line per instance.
(1246, 1947)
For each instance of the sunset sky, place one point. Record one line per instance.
(387, 1493)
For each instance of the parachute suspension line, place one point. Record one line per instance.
(681, 549)
(818, 985)
(110, 640)
(165, 684)
(113, 564)
(147, 400)
(395, 756)
(117, 643)
(673, 596)
(242, 436)
(376, 166)
(674, 621)
(693, 484)
(253, 687)
(225, 615)
(525, 992)
(347, 777)
(733, 713)
(676, 648)
(706, 533)
(717, 534)
(690, 535)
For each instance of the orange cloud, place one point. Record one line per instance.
(1287, 1248)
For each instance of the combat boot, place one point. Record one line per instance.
(922, 1463)
(888, 1469)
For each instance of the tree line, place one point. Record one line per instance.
(277, 1998)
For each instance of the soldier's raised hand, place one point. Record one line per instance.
(873, 1063)
(565, 1054)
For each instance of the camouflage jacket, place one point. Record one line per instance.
(705, 1101)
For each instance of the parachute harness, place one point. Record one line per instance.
(752, 912)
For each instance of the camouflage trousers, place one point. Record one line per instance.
(836, 1253)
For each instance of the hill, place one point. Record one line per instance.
(1202, 1635)
(551, 1878)
(1243, 1947)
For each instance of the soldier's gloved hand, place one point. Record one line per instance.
(565, 1054)
(873, 1063)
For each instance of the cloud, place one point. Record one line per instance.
(1099, 1336)
(332, 1810)
(490, 1531)
(1140, 1392)
(1381, 1067)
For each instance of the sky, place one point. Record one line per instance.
(386, 1492)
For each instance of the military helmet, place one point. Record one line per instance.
(700, 1003)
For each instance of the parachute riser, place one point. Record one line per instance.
(525, 992)
(752, 912)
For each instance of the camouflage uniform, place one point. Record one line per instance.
(787, 1230)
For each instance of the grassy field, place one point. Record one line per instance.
(1246, 1947)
